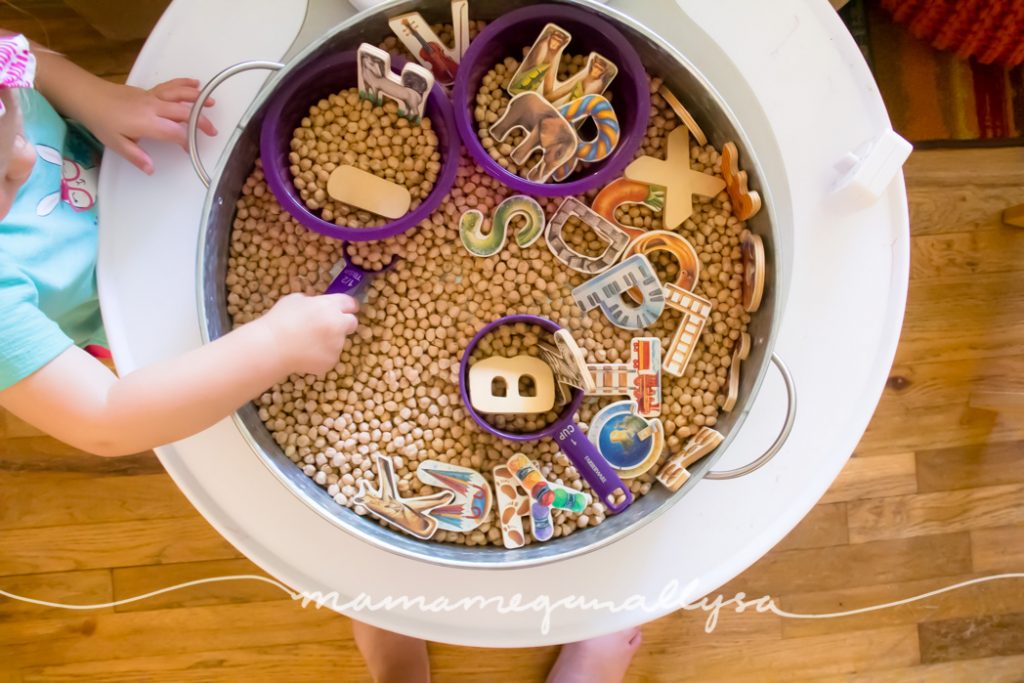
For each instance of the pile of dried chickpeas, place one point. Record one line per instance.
(395, 389)
(343, 129)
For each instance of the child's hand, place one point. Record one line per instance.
(311, 331)
(124, 114)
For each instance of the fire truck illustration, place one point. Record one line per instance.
(646, 391)
(639, 379)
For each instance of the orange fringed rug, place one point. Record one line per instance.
(961, 94)
(991, 31)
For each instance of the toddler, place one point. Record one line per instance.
(48, 303)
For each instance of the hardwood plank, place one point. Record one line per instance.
(71, 498)
(112, 544)
(820, 569)
(63, 30)
(295, 662)
(1014, 216)
(38, 643)
(939, 209)
(874, 477)
(988, 309)
(998, 550)
(930, 513)
(794, 658)
(933, 398)
(88, 587)
(966, 253)
(945, 167)
(986, 464)
(1005, 397)
(43, 454)
(988, 669)
(940, 427)
(917, 384)
(137, 18)
(824, 525)
(132, 581)
(972, 637)
(14, 427)
(116, 58)
(990, 598)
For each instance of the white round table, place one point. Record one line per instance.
(794, 77)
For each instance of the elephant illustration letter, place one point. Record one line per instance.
(546, 129)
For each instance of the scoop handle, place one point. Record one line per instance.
(593, 467)
(349, 280)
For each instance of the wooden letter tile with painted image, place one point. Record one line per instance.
(739, 354)
(673, 473)
(411, 515)
(683, 115)
(639, 379)
(538, 72)
(546, 130)
(513, 504)
(616, 239)
(419, 38)
(675, 175)
(696, 311)
(409, 89)
(745, 202)
(567, 363)
(635, 275)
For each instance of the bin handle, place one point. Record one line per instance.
(780, 440)
(197, 109)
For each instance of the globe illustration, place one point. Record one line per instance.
(620, 443)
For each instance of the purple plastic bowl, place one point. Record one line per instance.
(312, 82)
(504, 37)
(584, 456)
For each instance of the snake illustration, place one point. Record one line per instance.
(601, 111)
(471, 225)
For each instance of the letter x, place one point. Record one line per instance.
(675, 175)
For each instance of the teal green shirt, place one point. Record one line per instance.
(48, 298)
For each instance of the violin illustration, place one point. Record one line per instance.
(434, 54)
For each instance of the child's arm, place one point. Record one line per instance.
(118, 115)
(79, 401)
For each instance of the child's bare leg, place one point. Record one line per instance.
(391, 656)
(598, 660)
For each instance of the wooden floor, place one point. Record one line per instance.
(933, 496)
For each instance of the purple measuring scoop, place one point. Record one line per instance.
(576, 446)
(290, 102)
(351, 278)
(504, 37)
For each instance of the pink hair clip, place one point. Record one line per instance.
(17, 63)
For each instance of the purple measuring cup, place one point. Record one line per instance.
(352, 278)
(576, 446)
(290, 102)
(504, 37)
